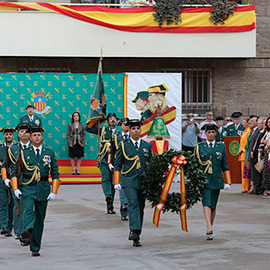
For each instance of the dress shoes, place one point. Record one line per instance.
(26, 236)
(111, 212)
(8, 234)
(136, 243)
(35, 253)
(124, 218)
(17, 236)
(3, 231)
(133, 236)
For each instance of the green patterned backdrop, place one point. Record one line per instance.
(64, 94)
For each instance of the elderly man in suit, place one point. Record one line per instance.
(131, 160)
(30, 118)
(212, 156)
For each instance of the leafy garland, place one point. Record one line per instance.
(154, 179)
(169, 11)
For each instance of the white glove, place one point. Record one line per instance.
(118, 187)
(17, 193)
(227, 186)
(52, 196)
(111, 167)
(7, 182)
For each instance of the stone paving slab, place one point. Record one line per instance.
(80, 235)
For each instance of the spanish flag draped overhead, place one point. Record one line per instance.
(194, 20)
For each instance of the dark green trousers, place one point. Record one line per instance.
(107, 186)
(18, 220)
(136, 204)
(6, 207)
(34, 213)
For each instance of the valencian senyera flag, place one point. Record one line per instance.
(97, 110)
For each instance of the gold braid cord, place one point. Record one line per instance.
(106, 147)
(136, 160)
(11, 156)
(207, 163)
(36, 174)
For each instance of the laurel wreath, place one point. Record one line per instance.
(155, 176)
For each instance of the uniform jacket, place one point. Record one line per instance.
(37, 190)
(106, 137)
(232, 131)
(134, 177)
(221, 134)
(217, 155)
(2, 159)
(35, 123)
(73, 136)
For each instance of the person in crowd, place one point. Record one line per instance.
(227, 121)
(221, 130)
(35, 165)
(190, 130)
(236, 128)
(6, 200)
(242, 156)
(208, 120)
(256, 177)
(104, 159)
(76, 141)
(212, 156)
(7, 166)
(131, 160)
(118, 138)
(265, 142)
(30, 118)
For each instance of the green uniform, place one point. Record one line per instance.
(35, 189)
(233, 131)
(221, 134)
(6, 199)
(216, 157)
(132, 177)
(123, 198)
(145, 115)
(106, 175)
(13, 153)
(36, 122)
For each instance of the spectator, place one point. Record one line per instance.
(227, 121)
(76, 141)
(242, 156)
(236, 128)
(190, 129)
(208, 120)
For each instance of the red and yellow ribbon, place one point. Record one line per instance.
(194, 19)
(178, 162)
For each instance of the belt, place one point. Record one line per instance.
(44, 178)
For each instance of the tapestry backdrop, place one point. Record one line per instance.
(56, 96)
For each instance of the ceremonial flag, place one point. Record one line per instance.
(97, 110)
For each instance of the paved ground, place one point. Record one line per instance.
(79, 235)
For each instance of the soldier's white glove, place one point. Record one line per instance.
(118, 187)
(52, 196)
(17, 193)
(111, 167)
(227, 186)
(7, 182)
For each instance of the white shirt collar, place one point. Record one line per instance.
(31, 117)
(27, 144)
(213, 142)
(40, 149)
(139, 142)
(123, 134)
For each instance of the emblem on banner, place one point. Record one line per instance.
(96, 106)
(39, 99)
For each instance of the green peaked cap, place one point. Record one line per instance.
(158, 129)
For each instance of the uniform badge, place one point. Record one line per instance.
(37, 122)
(146, 152)
(47, 161)
(219, 155)
(28, 157)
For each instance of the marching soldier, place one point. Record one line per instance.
(212, 156)
(119, 137)
(34, 166)
(235, 128)
(13, 153)
(131, 159)
(30, 118)
(6, 200)
(106, 167)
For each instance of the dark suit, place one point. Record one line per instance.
(253, 146)
(131, 179)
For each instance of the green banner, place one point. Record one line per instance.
(56, 96)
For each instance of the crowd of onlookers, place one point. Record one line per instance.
(254, 150)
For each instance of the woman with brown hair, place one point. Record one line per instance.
(76, 141)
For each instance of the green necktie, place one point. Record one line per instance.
(136, 145)
(211, 145)
(125, 136)
(38, 153)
